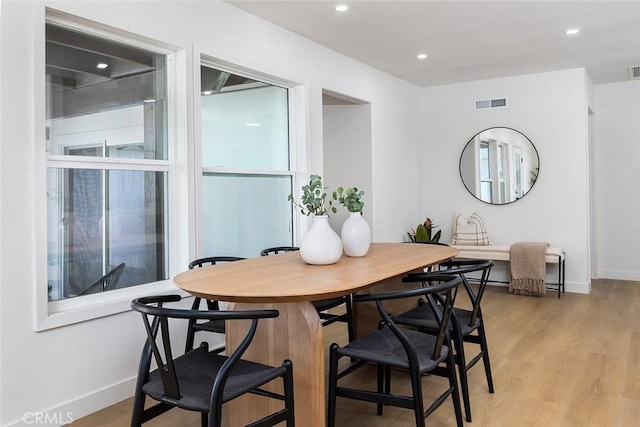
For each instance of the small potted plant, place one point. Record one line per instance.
(356, 234)
(321, 245)
(424, 233)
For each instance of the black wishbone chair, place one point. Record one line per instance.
(215, 326)
(108, 282)
(201, 380)
(322, 306)
(467, 326)
(395, 347)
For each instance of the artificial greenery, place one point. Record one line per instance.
(351, 198)
(423, 233)
(314, 198)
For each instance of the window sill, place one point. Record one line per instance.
(57, 314)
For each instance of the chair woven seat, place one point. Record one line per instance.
(382, 346)
(422, 317)
(196, 372)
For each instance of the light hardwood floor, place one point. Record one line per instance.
(556, 362)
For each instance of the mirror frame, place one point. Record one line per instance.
(477, 196)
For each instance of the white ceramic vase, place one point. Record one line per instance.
(356, 235)
(321, 245)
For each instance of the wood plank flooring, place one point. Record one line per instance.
(556, 362)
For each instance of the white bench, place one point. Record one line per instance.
(502, 253)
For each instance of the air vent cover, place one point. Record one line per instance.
(634, 72)
(482, 104)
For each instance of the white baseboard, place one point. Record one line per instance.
(80, 407)
(619, 275)
(577, 288)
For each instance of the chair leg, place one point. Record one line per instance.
(138, 409)
(204, 419)
(333, 383)
(350, 326)
(418, 405)
(214, 416)
(485, 356)
(453, 382)
(464, 387)
(461, 361)
(288, 394)
(380, 368)
(387, 380)
(190, 336)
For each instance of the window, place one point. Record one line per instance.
(246, 174)
(107, 164)
(495, 171)
(486, 193)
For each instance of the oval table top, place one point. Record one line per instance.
(287, 278)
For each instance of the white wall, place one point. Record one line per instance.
(616, 178)
(550, 109)
(347, 155)
(89, 365)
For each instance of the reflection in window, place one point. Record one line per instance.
(486, 192)
(245, 163)
(106, 131)
(502, 172)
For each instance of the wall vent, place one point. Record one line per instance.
(634, 72)
(482, 104)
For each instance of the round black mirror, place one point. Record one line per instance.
(499, 165)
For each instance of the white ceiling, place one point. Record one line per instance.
(469, 40)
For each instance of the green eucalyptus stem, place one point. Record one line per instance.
(351, 198)
(314, 198)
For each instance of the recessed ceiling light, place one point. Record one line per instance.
(102, 65)
(572, 31)
(342, 8)
(252, 124)
(422, 56)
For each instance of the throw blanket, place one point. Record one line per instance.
(527, 262)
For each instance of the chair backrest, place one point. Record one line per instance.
(441, 294)
(155, 318)
(212, 260)
(278, 249)
(463, 267)
(202, 262)
(107, 282)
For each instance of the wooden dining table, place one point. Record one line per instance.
(286, 283)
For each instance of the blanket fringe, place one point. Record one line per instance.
(527, 286)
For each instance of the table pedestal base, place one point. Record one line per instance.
(296, 335)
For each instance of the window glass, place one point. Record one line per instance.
(105, 98)
(104, 218)
(245, 161)
(106, 191)
(245, 213)
(245, 123)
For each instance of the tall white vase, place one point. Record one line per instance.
(321, 245)
(356, 235)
